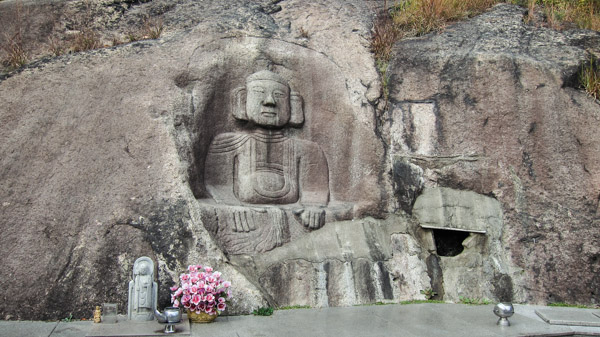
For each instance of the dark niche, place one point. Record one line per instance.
(449, 242)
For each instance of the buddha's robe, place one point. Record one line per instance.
(262, 179)
(266, 167)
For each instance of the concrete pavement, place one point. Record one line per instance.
(427, 319)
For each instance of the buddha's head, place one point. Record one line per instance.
(267, 101)
(143, 268)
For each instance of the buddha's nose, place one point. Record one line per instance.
(269, 100)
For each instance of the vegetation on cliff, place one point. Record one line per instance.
(409, 18)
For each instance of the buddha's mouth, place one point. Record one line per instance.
(268, 113)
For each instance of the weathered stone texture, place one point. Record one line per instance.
(344, 263)
(103, 155)
(444, 208)
(407, 267)
(507, 121)
(101, 150)
(466, 230)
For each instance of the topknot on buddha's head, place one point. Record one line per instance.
(266, 75)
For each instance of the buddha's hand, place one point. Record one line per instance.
(243, 220)
(311, 217)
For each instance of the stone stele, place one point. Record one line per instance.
(142, 291)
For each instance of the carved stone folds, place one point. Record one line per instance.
(266, 187)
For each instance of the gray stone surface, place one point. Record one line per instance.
(491, 105)
(344, 263)
(72, 329)
(445, 208)
(125, 327)
(476, 266)
(27, 328)
(381, 320)
(569, 316)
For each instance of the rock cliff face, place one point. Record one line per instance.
(491, 105)
(104, 160)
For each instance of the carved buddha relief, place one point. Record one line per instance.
(263, 168)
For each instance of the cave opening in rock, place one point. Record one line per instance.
(449, 242)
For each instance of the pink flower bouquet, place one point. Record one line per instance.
(201, 290)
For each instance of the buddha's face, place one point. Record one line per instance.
(268, 103)
(143, 269)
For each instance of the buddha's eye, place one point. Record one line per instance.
(258, 89)
(278, 94)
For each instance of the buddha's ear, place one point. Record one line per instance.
(238, 103)
(297, 110)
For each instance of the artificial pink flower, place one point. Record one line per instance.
(200, 290)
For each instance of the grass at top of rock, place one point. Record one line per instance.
(417, 17)
(17, 50)
(408, 18)
(559, 14)
(589, 77)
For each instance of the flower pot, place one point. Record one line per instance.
(201, 317)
